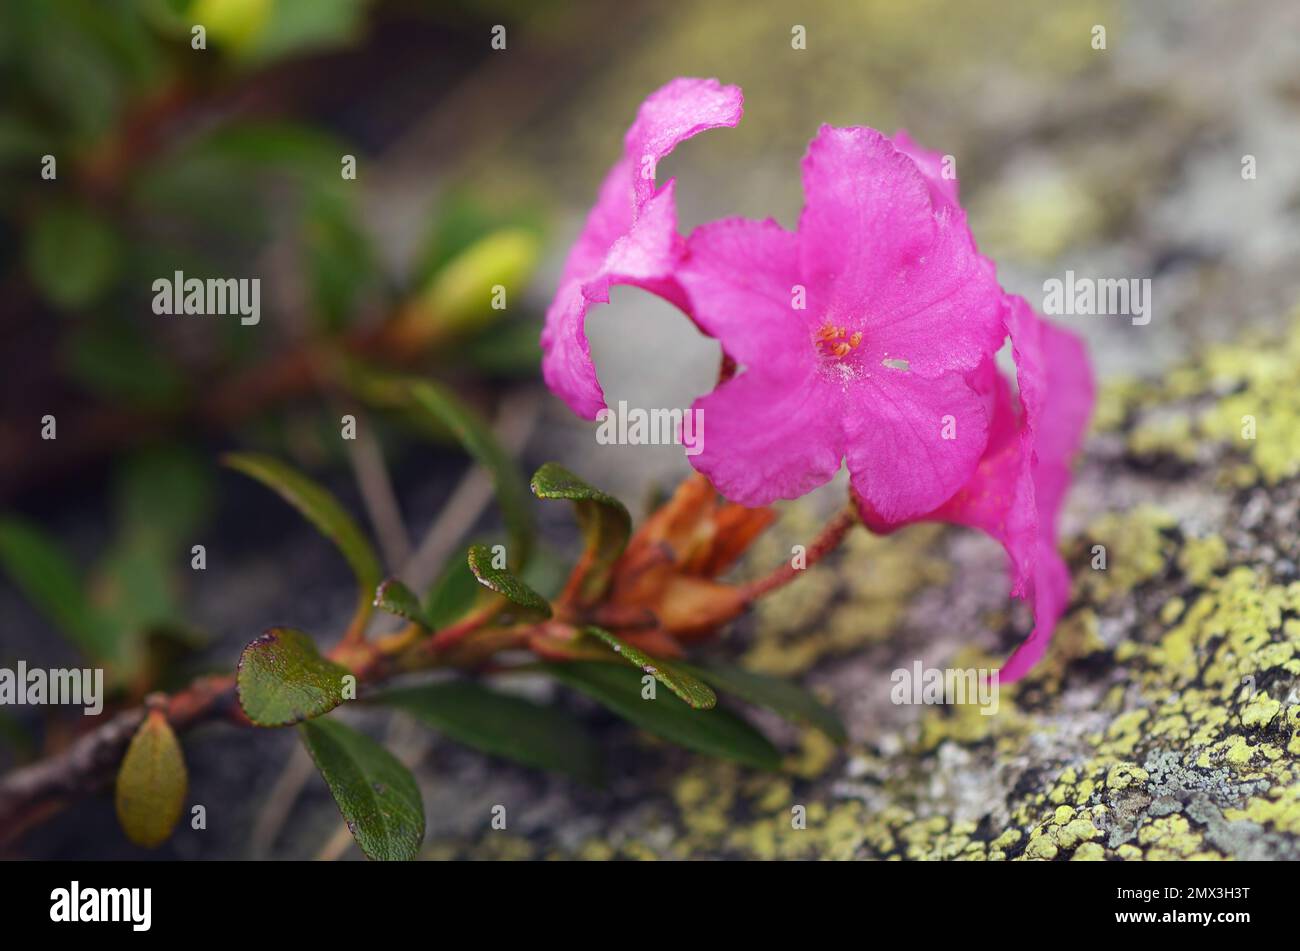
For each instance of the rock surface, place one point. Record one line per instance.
(1164, 722)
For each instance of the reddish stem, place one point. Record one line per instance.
(831, 535)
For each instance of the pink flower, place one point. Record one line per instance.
(1018, 489)
(867, 336)
(859, 335)
(940, 176)
(630, 236)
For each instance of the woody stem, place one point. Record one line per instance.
(827, 541)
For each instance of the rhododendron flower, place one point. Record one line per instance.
(867, 336)
(1018, 489)
(857, 333)
(630, 236)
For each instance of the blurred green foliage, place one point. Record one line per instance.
(126, 154)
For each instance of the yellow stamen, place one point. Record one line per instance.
(837, 342)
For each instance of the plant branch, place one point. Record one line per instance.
(827, 541)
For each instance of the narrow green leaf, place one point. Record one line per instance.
(691, 689)
(397, 599)
(320, 508)
(503, 725)
(477, 438)
(712, 732)
(40, 568)
(529, 605)
(376, 794)
(282, 679)
(151, 783)
(605, 523)
(783, 697)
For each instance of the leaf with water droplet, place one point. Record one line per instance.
(687, 686)
(397, 599)
(527, 604)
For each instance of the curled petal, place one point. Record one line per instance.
(1051, 595)
(672, 114)
(630, 236)
(943, 186)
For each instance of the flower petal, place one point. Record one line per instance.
(630, 235)
(1051, 596)
(1028, 485)
(999, 498)
(740, 276)
(672, 114)
(883, 258)
(768, 436)
(911, 442)
(943, 189)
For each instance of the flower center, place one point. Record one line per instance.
(836, 342)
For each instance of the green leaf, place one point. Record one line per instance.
(694, 691)
(164, 494)
(40, 568)
(151, 783)
(477, 438)
(463, 217)
(115, 361)
(453, 595)
(509, 350)
(397, 599)
(134, 588)
(298, 26)
(376, 794)
(529, 604)
(605, 523)
(715, 732)
(260, 144)
(782, 697)
(459, 295)
(320, 508)
(503, 725)
(283, 679)
(338, 261)
(72, 256)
